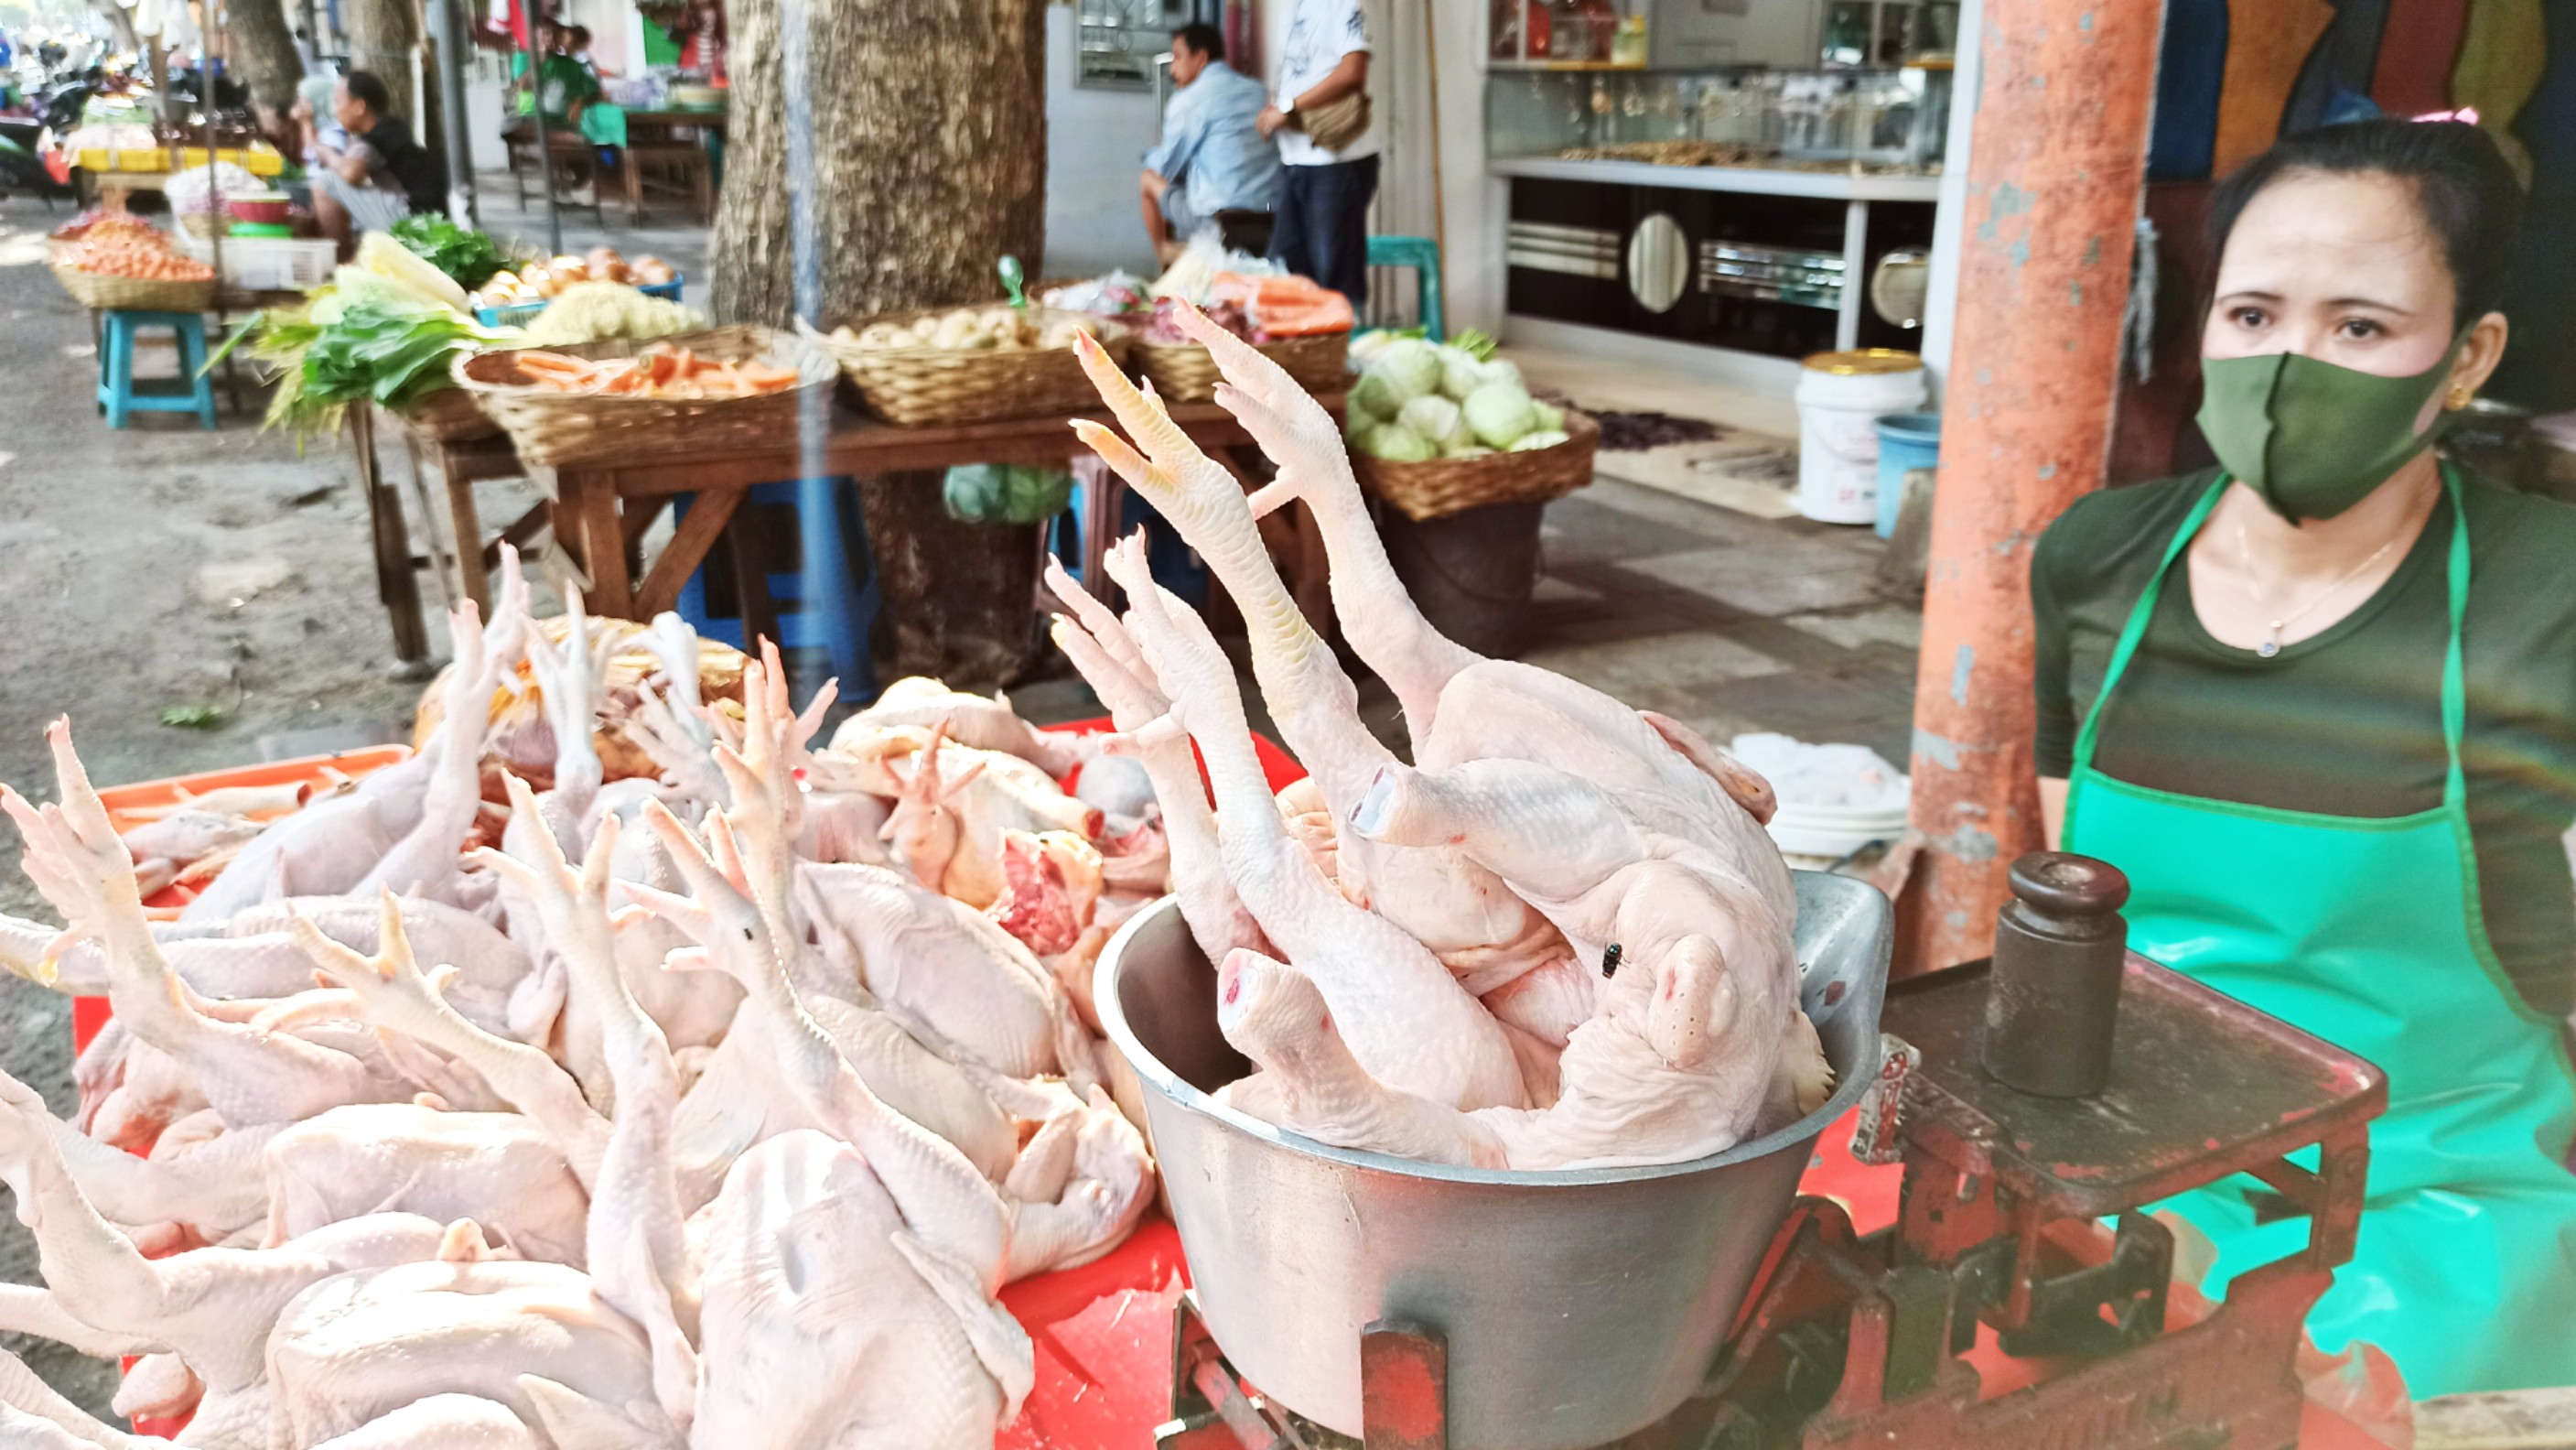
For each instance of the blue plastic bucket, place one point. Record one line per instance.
(1906, 441)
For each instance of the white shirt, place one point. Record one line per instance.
(1320, 33)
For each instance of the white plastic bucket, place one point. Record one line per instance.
(1841, 395)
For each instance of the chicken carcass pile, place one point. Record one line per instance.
(1559, 938)
(710, 1109)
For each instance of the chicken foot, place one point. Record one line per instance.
(1409, 1018)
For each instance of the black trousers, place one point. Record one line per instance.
(1322, 227)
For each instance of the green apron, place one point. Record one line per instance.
(2368, 932)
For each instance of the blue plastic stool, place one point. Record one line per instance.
(117, 395)
(1423, 255)
(822, 604)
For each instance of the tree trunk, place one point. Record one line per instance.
(902, 154)
(384, 37)
(261, 46)
(959, 598)
(885, 155)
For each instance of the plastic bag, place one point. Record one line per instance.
(1005, 493)
(190, 191)
(1193, 273)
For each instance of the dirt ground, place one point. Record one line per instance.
(161, 566)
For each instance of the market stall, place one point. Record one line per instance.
(962, 1006)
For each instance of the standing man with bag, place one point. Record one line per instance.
(1328, 143)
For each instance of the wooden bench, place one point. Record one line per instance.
(561, 146)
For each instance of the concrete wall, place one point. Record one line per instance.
(1466, 210)
(1096, 145)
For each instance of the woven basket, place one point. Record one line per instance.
(1445, 486)
(1185, 372)
(449, 415)
(922, 386)
(556, 430)
(133, 294)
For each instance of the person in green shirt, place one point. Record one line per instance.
(2319, 704)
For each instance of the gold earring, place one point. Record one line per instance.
(2461, 393)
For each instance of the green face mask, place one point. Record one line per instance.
(2313, 438)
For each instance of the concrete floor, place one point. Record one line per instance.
(164, 566)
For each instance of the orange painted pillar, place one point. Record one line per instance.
(2054, 188)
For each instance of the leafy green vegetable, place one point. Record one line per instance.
(193, 717)
(468, 256)
(1476, 343)
(1006, 493)
(354, 344)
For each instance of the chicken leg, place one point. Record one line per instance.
(1408, 1017)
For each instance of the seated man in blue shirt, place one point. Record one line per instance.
(1213, 157)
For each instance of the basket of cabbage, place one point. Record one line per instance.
(1435, 428)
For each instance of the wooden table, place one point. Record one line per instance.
(650, 140)
(600, 511)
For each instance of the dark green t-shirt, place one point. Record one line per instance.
(2347, 722)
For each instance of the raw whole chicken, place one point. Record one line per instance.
(971, 721)
(683, 1121)
(1597, 877)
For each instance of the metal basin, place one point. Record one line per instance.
(1578, 1306)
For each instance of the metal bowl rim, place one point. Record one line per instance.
(1150, 1070)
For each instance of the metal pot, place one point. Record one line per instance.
(1578, 1306)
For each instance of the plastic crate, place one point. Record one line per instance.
(270, 264)
(520, 315)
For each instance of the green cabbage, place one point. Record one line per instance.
(1398, 444)
(1460, 372)
(1433, 417)
(1500, 413)
(1471, 450)
(1006, 493)
(1532, 442)
(1374, 397)
(1551, 418)
(1410, 366)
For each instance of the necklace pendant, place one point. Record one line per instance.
(2268, 648)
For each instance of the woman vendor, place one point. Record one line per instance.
(2319, 703)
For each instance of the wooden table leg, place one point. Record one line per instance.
(442, 556)
(708, 514)
(1101, 488)
(593, 497)
(465, 525)
(395, 583)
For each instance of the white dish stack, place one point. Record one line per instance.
(1835, 800)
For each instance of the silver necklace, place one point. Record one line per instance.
(2271, 646)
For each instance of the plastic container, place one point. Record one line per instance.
(1471, 572)
(262, 231)
(270, 264)
(522, 313)
(268, 207)
(1841, 395)
(1906, 441)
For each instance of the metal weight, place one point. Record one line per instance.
(2053, 997)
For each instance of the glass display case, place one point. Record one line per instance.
(1888, 32)
(1892, 119)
